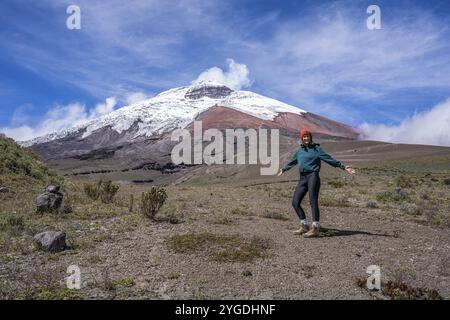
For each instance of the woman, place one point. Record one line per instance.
(308, 157)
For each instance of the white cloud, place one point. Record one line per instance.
(331, 57)
(235, 78)
(125, 54)
(21, 133)
(134, 97)
(60, 118)
(430, 127)
(103, 108)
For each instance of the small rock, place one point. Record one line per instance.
(4, 190)
(69, 245)
(51, 241)
(50, 200)
(52, 189)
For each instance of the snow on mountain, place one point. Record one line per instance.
(176, 108)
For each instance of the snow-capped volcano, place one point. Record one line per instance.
(177, 108)
(142, 130)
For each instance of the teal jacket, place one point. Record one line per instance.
(308, 159)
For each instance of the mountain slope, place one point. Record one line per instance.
(139, 134)
(176, 108)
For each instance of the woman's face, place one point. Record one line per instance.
(306, 139)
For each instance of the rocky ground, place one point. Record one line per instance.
(234, 240)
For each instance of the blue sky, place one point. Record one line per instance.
(319, 56)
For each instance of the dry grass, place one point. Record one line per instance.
(225, 248)
(275, 215)
(402, 291)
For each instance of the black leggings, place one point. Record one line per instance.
(308, 182)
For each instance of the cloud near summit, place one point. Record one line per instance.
(236, 77)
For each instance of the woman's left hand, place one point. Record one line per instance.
(350, 169)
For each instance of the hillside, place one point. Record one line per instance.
(15, 159)
(223, 234)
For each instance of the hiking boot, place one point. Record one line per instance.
(303, 229)
(312, 233)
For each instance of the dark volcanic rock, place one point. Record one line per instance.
(166, 168)
(98, 154)
(50, 200)
(143, 181)
(213, 92)
(103, 143)
(51, 241)
(4, 190)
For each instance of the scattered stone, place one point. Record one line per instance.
(247, 273)
(51, 241)
(52, 189)
(4, 190)
(372, 204)
(50, 200)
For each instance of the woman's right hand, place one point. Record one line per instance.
(280, 172)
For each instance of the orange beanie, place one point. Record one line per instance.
(305, 132)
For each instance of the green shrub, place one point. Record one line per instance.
(397, 195)
(124, 282)
(336, 183)
(20, 160)
(12, 224)
(105, 190)
(152, 201)
(402, 291)
(332, 202)
(403, 182)
(92, 190)
(173, 275)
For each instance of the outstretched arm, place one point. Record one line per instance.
(329, 159)
(289, 165)
(333, 162)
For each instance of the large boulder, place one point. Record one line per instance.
(51, 241)
(50, 200)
